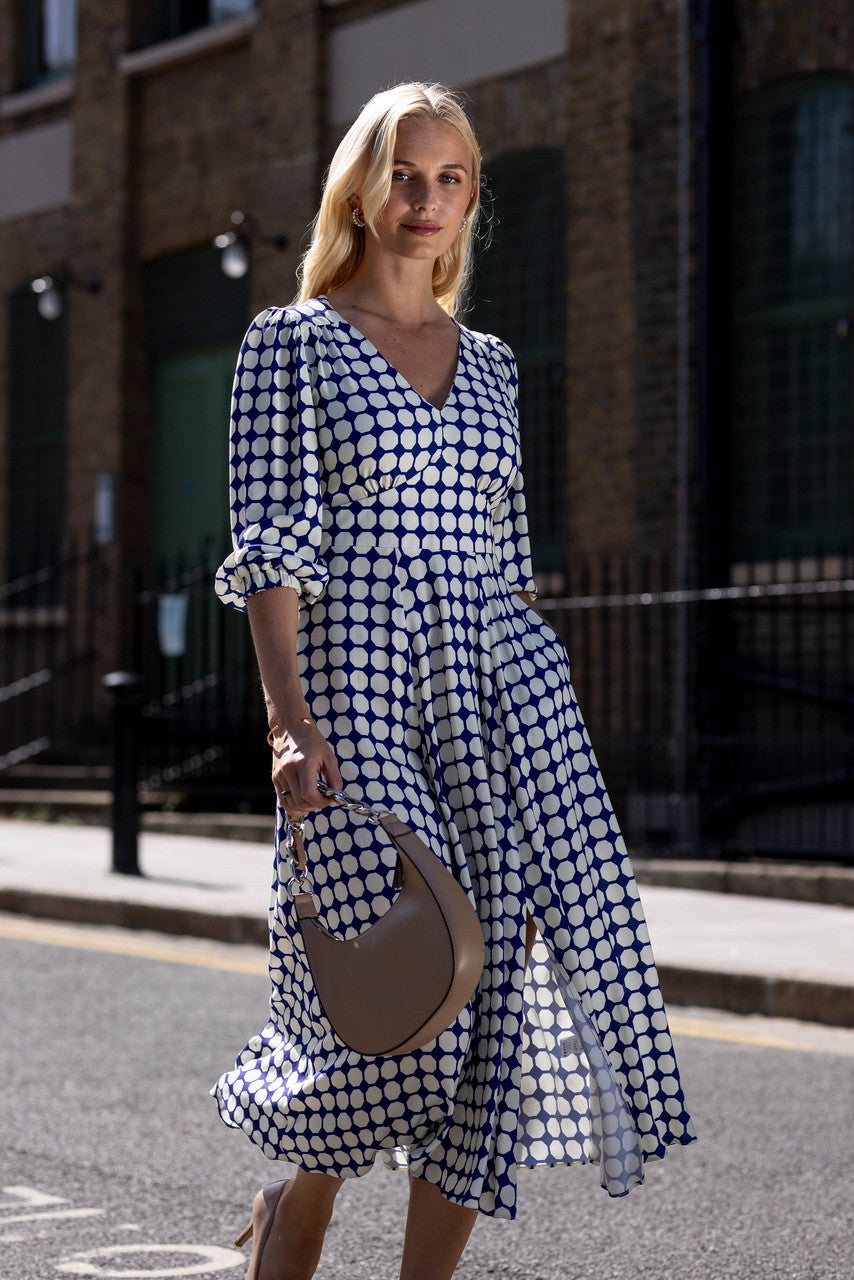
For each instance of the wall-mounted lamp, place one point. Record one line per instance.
(235, 244)
(50, 291)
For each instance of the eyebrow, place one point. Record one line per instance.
(409, 164)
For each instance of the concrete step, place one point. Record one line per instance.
(160, 811)
(55, 804)
(36, 773)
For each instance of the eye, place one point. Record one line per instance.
(398, 174)
(450, 177)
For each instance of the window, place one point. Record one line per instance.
(520, 296)
(49, 44)
(35, 464)
(180, 16)
(192, 368)
(791, 454)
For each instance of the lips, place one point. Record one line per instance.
(422, 228)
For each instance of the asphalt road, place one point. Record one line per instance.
(113, 1162)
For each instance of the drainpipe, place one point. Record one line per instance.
(680, 824)
(714, 35)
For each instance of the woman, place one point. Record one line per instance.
(380, 547)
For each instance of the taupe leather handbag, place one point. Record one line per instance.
(405, 979)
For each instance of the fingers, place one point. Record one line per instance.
(331, 773)
(284, 795)
(310, 794)
(293, 796)
(296, 780)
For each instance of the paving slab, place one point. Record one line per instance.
(200, 886)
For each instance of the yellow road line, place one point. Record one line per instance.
(82, 938)
(145, 947)
(701, 1030)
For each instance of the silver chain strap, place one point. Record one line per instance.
(352, 805)
(300, 880)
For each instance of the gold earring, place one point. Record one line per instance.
(358, 217)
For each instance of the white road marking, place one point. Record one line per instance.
(210, 1258)
(29, 1196)
(53, 1213)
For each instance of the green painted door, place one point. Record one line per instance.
(193, 391)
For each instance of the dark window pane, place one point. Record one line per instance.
(223, 9)
(35, 470)
(792, 391)
(49, 43)
(520, 297)
(181, 16)
(195, 319)
(190, 302)
(59, 34)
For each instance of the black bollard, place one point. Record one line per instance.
(125, 688)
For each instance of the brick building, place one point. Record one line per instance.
(671, 260)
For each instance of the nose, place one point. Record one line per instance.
(424, 194)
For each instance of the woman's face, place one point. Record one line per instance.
(431, 190)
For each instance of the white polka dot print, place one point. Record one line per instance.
(403, 528)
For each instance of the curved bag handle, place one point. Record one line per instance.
(405, 979)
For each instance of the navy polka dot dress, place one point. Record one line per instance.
(402, 527)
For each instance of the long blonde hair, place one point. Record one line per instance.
(363, 163)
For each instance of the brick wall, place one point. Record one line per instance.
(163, 156)
(602, 331)
(776, 39)
(611, 105)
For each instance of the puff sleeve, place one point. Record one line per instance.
(508, 511)
(274, 469)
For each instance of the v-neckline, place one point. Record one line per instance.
(405, 381)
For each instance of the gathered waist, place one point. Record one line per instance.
(410, 545)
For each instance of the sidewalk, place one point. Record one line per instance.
(723, 950)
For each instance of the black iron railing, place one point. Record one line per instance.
(50, 619)
(742, 740)
(204, 723)
(747, 744)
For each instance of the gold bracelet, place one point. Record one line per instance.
(277, 728)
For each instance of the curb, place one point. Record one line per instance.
(804, 999)
(775, 996)
(799, 882)
(121, 914)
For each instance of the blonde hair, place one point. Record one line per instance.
(364, 163)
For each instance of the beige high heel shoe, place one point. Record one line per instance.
(263, 1212)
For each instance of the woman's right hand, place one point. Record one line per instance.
(300, 755)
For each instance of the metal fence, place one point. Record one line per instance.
(723, 719)
(203, 722)
(49, 644)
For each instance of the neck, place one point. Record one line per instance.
(400, 291)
